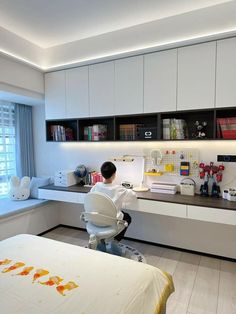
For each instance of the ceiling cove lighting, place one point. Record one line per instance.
(12, 55)
(208, 36)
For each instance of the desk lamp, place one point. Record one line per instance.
(131, 158)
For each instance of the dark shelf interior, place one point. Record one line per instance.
(143, 127)
(62, 130)
(107, 121)
(226, 123)
(190, 117)
(136, 128)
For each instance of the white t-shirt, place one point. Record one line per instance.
(117, 193)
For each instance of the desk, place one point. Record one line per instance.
(193, 222)
(193, 207)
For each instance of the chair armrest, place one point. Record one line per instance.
(102, 220)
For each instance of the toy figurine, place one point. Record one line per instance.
(213, 173)
(215, 190)
(200, 130)
(204, 186)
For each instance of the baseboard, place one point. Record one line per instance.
(183, 250)
(42, 233)
(154, 244)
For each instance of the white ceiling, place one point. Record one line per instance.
(48, 23)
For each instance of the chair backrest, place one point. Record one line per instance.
(100, 209)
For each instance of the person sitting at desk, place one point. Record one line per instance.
(117, 193)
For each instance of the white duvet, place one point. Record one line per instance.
(39, 275)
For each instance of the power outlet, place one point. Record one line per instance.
(226, 158)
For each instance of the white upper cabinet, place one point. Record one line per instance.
(55, 95)
(77, 94)
(196, 76)
(226, 73)
(101, 89)
(129, 85)
(160, 77)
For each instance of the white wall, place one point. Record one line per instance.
(51, 157)
(20, 48)
(20, 80)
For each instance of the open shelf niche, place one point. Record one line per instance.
(216, 123)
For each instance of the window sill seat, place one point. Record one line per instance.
(9, 208)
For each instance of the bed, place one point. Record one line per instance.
(39, 275)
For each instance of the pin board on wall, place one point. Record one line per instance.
(173, 161)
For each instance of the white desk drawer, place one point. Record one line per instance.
(217, 215)
(162, 208)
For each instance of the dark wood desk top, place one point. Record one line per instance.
(196, 200)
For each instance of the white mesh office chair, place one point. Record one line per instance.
(100, 217)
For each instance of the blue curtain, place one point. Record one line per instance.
(24, 141)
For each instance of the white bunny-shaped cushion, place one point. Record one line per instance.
(19, 189)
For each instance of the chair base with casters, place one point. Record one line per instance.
(101, 222)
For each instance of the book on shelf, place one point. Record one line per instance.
(174, 129)
(86, 133)
(69, 134)
(96, 132)
(226, 127)
(129, 131)
(59, 133)
(93, 177)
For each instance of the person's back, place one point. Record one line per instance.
(117, 193)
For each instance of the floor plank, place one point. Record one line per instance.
(205, 291)
(169, 260)
(184, 277)
(227, 288)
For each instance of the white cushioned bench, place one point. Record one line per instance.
(9, 207)
(31, 216)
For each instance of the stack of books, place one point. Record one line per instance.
(129, 131)
(174, 129)
(167, 188)
(93, 177)
(60, 133)
(226, 127)
(96, 132)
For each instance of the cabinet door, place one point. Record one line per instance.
(160, 80)
(77, 99)
(129, 85)
(159, 208)
(196, 76)
(101, 89)
(55, 101)
(226, 73)
(210, 214)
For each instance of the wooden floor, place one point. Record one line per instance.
(203, 285)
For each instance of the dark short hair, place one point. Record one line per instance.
(108, 169)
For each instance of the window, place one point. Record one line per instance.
(7, 145)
